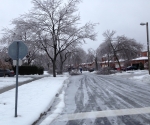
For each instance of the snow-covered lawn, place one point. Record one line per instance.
(8, 81)
(33, 99)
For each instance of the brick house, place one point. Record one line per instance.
(87, 66)
(143, 58)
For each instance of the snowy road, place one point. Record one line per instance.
(89, 93)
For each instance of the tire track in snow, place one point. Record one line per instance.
(98, 93)
(109, 83)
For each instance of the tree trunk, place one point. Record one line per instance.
(108, 63)
(54, 68)
(118, 62)
(61, 64)
(96, 65)
(61, 68)
(116, 56)
(54, 58)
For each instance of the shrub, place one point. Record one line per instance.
(141, 66)
(40, 70)
(29, 70)
(106, 71)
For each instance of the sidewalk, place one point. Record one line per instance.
(33, 100)
(11, 86)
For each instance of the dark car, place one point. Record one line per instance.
(132, 68)
(91, 69)
(6, 72)
(123, 69)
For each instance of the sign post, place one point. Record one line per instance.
(17, 50)
(16, 95)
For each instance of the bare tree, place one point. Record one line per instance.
(56, 26)
(77, 57)
(21, 32)
(61, 60)
(121, 47)
(128, 48)
(42, 61)
(93, 57)
(109, 38)
(90, 56)
(5, 62)
(104, 52)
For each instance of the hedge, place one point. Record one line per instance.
(29, 70)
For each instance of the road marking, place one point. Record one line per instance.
(106, 113)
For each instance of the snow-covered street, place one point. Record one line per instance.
(89, 93)
(74, 62)
(86, 99)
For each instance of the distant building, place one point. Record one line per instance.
(143, 59)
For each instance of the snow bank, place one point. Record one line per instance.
(56, 112)
(146, 79)
(141, 75)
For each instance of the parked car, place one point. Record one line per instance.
(91, 69)
(6, 72)
(132, 68)
(123, 69)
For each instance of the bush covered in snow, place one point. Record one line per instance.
(106, 71)
(74, 72)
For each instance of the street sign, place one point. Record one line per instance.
(12, 50)
(17, 50)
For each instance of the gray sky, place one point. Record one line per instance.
(123, 16)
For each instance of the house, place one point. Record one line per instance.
(87, 66)
(142, 59)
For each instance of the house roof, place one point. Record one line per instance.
(141, 58)
(120, 60)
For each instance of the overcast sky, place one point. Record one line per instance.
(123, 16)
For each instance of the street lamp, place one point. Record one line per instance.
(142, 24)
